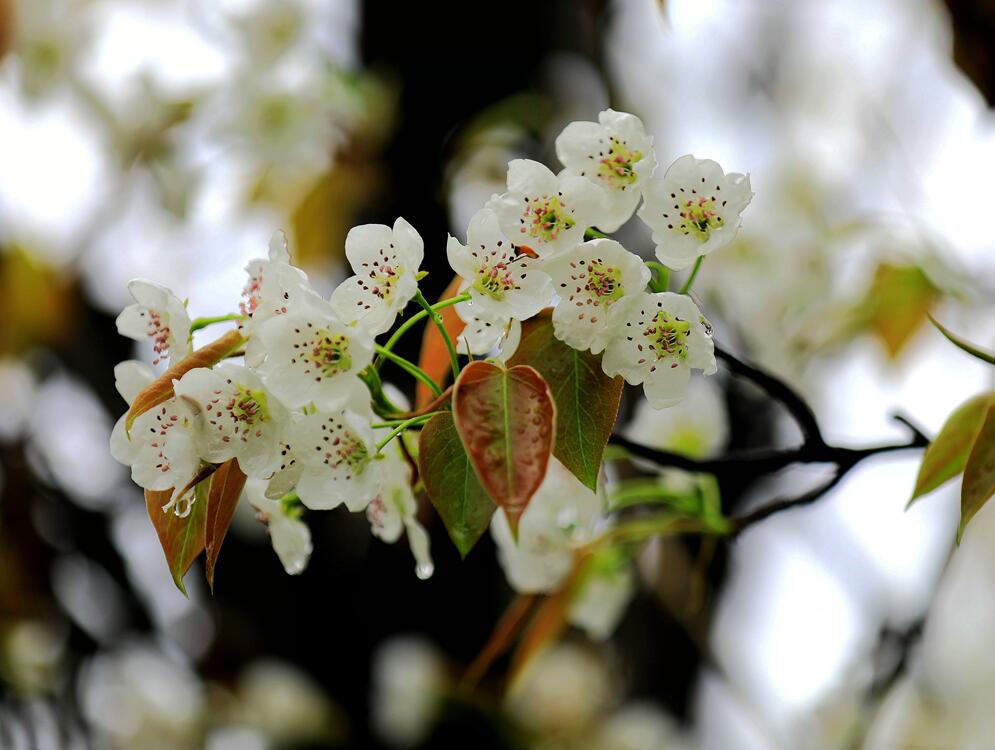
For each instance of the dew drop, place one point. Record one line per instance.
(424, 571)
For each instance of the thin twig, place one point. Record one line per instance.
(751, 465)
(778, 390)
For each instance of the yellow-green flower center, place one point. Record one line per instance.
(248, 406)
(616, 168)
(328, 353)
(667, 336)
(604, 281)
(699, 218)
(545, 218)
(494, 281)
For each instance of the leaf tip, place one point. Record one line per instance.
(178, 580)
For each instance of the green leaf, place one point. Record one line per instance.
(896, 305)
(960, 343)
(161, 389)
(182, 539)
(507, 422)
(226, 488)
(979, 474)
(451, 483)
(586, 399)
(947, 455)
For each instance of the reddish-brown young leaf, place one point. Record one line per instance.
(507, 422)
(434, 357)
(162, 388)
(226, 487)
(182, 539)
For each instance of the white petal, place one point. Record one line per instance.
(131, 377)
(365, 242)
(666, 385)
(409, 243)
(529, 177)
(291, 539)
(122, 449)
(279, 251)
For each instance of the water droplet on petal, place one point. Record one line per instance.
(424, 570)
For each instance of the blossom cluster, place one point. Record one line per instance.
(300, 406)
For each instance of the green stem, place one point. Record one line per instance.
(593, 233)
(414, 319)
(437, 319)
(199, 323)
(412, 369)
(404, 425)
(380, 401)
(660, 280)
(694, 273)
(641, 529)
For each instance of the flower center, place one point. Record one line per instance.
(495, 281)
(700, 217)
(667, 336)
(604, 282)
(616, 167)
(383, 280)
(160, 333)
(251, 293)
(348, 450)
(247, 407)
(546, 217)
(329, 353)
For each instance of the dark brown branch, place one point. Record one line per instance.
(751, 465)
(778, 390)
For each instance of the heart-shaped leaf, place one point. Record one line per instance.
(226, 488)
(182, 539)
(947, 455)
(979, 473)
(586, 399)
(506, 419)
(451, 484)
(161, 389)
(434, 357)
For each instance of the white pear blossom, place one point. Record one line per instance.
(500, 280)
(385, 261)
(409, 683)
(656, 340)
(563, 691)
(693, 209)
(238, 416)
(312, 356)
(589, 280)
(290, 536)
(561, 516)
(329, 459)
(162, 447)
(606, 589)
(543, 213)
(395, 508)
(639, 726)
(275, 287)
(485, 332)
(157, 316)
(616, 154)
(697, 427)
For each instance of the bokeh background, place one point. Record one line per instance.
(168, 139)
